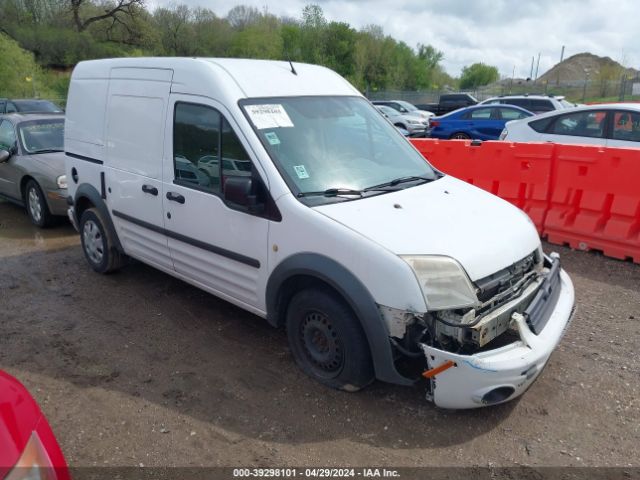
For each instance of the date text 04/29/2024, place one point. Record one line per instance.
(315, 473)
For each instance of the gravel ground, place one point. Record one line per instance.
(138, 368)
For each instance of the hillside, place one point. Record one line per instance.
(572, 70)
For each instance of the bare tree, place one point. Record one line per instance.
(241, 16)
(115, 11)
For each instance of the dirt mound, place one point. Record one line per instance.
(582, 65)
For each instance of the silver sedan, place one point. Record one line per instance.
(32, 165)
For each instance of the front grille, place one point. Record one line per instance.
(490, 286)
(541, 307)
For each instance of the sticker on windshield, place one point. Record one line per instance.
(301, 171)
(272, 138)
(268, 116)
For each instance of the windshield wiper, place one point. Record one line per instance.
(398, 181)
(47, 150)
(331, 192)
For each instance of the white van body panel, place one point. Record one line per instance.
(405, 223)
(208, 219)
(388, 278)
(134, 130)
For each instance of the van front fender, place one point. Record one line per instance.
(352, 291)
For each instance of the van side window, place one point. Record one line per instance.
(196, 146)
(206, 150)
(235, 160)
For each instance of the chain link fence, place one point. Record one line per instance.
(627, 89)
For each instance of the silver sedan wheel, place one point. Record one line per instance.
(35, 205)
(93, 241)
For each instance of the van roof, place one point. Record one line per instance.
(250, 78)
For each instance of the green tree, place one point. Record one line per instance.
(20, 76)
(338, 42)
(312, 31)
(259, 40)
(177, 35)
(477, 75)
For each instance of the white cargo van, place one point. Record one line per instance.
(280, 189)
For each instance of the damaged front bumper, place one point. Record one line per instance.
(496, 376)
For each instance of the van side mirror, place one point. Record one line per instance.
(4, 156)
(240, 191)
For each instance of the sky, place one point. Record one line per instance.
(503, 33)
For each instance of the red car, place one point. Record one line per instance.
(28, 448)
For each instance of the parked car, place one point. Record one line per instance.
(28, 448)
(613, 125)
(482, 122)
(405, 108)
(342, 234)
(532, 103)
(32, 172)
(28, 106)
(415, 126)
(449, 102)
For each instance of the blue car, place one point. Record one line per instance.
(482, 122)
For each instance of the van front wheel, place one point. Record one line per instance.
(327, 340)
(97, 244)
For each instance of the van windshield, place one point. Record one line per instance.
(335, 144)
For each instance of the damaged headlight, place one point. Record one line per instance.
(444, 283)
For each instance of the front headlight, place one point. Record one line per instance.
(503, 134)
(445, 285)
(61, 181)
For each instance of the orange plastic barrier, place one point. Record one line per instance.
(595, 203)
(584, 196)
(519, 173)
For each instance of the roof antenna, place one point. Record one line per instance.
(293, 70)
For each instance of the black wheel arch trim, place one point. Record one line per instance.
(353, 291)
(89, 192)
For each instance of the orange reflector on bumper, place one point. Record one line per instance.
(435, 371)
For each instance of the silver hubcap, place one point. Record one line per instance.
(93, 241)
(35, 207)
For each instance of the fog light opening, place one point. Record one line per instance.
(497, 395)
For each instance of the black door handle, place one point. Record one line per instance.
(150, 189)
(175, 197)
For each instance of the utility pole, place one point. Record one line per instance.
(513, 74)
(537, 67)
(558, 69)
(531, 73)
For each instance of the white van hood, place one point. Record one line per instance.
(445, 217)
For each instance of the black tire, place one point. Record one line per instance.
(400, 125)
(36, 204)
(460, 136)
(327, 340)
(98, 246)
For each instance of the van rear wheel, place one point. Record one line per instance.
(327, 340)
(97, 244)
